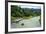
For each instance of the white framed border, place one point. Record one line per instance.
(23, 29)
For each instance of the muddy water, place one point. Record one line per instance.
(27, 23)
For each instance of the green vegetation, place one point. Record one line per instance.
(17, 11)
